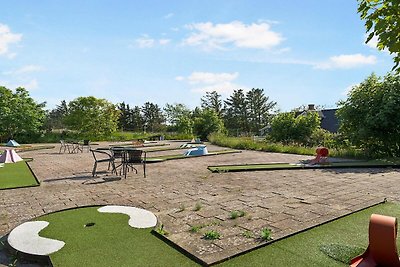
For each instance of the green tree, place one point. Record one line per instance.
(20, 116)
(236, 117)
(259, 109)
(288, 128)
(212, 100)
(206, 123)
(136, 121)
(152, 117)
(382, 19)
(92, 117)
(55, 117)
(370, 115)
(179, 117)
(124, 117)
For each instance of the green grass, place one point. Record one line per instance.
(287, 166)
(15, 175)
(327, 245)
(110, 242)
(249, 144)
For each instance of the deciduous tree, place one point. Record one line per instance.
(382, 20)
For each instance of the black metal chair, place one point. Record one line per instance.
(118, 154)
(102, 156)
(133, 157)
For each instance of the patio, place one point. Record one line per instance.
(286, 201)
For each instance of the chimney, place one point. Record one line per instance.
(311, 107)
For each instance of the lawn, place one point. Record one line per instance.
(16, 175)
(288, 166)
(110, 242)
(344, 236)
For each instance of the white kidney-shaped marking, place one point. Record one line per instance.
(25, 238)
(139, 218)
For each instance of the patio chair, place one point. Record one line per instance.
(118, 154)
(85, 143)
(133, 157)
(102, 156)
(64, 146)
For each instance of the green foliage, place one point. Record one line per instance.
(55, 118)
(382, 20)
(259, 108)
(245, 113)
(248, 234)
(211, 235)
(212, 100)
(92, 117)
(162, 231)
(370, 116)
(196, 228)
(266, 234)
(20, 116)
(153, 118)
(236, 214)
(289, 128)
(206, 123)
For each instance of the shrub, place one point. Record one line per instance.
(211, 235)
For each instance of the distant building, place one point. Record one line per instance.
(329, 121)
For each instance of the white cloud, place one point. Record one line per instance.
(145, 41)
(169, 15)
(235, 33)
(24, 70)
(346, 62)
(31, 85)
(6, 39)
(202, 82)
(164, 41)
(211, 78)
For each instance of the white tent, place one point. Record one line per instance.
(10, 156)
(12, 143)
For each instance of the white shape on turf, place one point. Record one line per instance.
(139, 218)
(25, 238)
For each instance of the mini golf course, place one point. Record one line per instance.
(182, 156)
(94, 238)
(17, 175)
(297, 166)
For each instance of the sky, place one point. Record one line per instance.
(174, 51)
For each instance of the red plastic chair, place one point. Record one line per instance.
(382, 249)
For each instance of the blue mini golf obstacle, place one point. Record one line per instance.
(198, 151)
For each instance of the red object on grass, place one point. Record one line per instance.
(382, 249)
(322, 155)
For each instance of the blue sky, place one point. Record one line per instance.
(299, 52)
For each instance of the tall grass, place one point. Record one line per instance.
(248, 143)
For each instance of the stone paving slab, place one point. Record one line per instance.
(285, 201)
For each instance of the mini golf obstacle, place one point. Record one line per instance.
(10, 156)
(197, 151)
(12, 143)
(382, 248)
(96, 236)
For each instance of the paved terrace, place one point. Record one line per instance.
(286, 201)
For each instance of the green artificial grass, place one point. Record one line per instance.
(110, 242)
(16, 175)
(182, 156)
(330, 244)
(288, 166)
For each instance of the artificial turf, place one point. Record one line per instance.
(110, 242)
(16, 175)
(343, 238)
(288, 166)
(182, 156)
